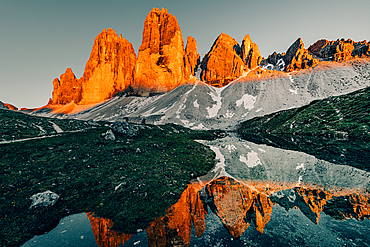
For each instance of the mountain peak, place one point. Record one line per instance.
(160, 65)
(222, 63)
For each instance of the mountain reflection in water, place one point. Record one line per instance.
(258, 195)
(238, 205)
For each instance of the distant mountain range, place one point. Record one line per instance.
(232, 83)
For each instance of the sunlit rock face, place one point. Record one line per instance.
(297, 57)
(340, 50)
(250, 53)
(161, 63)
(192, 57)
(104, 236)
(222, 64)
(66, 89)
(9, 106)
(109, 69)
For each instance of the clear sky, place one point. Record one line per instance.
(41, 38)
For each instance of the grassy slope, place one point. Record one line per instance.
(336, 129)
(84, 169)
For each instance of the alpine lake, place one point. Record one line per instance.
(171, 186)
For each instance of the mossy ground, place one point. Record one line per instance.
(151, 171)
(336, 129)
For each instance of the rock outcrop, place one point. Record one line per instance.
(223, 63)
(2, 106)
(9, 106)
(192, 56)
(66, 89)
(250, 53)
(109, 69)
(340, 50)
(160, 66)
(297, 57)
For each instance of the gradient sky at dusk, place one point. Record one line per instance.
(40, 39)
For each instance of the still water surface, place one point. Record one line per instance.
(255, 196)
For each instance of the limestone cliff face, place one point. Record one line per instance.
(108, 71)
(250, 53)
(160, 66)
(222, 63)
(66, 89)
(340, 50)
(109, 68)
(297, 57)
(192, 57)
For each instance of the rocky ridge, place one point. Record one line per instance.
(297, 57)
(163, 63)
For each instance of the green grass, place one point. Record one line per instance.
(336, 129)
(84, 169)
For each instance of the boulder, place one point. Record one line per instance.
(44, 199)
(109, 136)
(126, 129)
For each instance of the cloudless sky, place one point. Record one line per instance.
(40, 39)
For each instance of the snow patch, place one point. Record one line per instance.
(252, 159)
(293, 91)
(301, 167)
(221, 159)
(212, 111)
(196, 103)
(248, 101)
(261, 150)
(259, 109)
(199, 127)
(231, 148)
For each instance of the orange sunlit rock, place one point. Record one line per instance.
(340, 50)
(109, 69)
(192, 56)
(222, 64)
(104, 236)
(250, 53)
(297, 57)
(160, 66)
(66, 89)
(10, 107)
